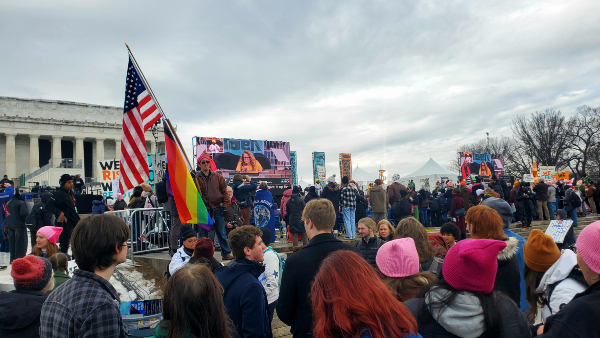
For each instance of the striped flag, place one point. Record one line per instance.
(190, 207)
(140, 113)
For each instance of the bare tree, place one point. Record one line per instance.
(544, 137)
(584, 129)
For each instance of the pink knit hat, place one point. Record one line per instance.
(51, 233)
(398, 258)
(472, 264)
(587, 246)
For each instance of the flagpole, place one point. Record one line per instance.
(162, 113)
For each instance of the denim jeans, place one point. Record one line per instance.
(219, 228)
(573, 213)
(348, 215)
(423, 215)
(552, 207)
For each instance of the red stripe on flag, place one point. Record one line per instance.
(177, 175)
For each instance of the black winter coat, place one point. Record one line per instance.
(578, 319)
(522, 201)
(361, 207)
(294, 208)
(508, 277)
(20, 313)
(294, 306)
(332, 193)
(505, 189)
(17, 208)
(62, 202)
(496, 187)
(119, 205)
(514, 322)
(541, 191)
(448, 195)
(476, 186)
(442, 201)
(405, 208)
(369, 249)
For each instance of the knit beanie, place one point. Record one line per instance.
(204, 248)
(31, 273)
(396, 178)
(64, 178)
(403, 193)
(587, 246)
(398, 258)
(472, 264)
(51, 233)
(540, 251)
(502, 207)
(266, 235)
(562, 214)
(296, 190)
(187, 232)
(331, 179)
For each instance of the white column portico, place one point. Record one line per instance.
(11, 165)
(99, 153)
(118, 149)
(34, 150)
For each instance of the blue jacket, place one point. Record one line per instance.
(242, 191)
(524, 305)
(245, 298)
(264, 213)
(98, 207)
(5, 196)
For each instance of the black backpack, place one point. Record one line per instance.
(138, 204)
(161, 192)
(401, 210)
(575, 274)
(575, 200)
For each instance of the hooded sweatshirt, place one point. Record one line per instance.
(286, 196)
(566, 288)
(245, 298)
(98, 207)
(20, 313)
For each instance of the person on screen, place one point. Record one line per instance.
(248, 164)
(484, 170)
(466, 171)
(214, 147)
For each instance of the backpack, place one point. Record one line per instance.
(161, 192)
(281, 263)
(575, 274)
(575, 200)
(138, 204)
(399, 210)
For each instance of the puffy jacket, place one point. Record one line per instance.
(286, 196)
(434, 205)
(442, 201)
(332, 193)
(242, 191)
(541, 191)
(448, 196)
(245, 298)
(20, 313)
(295, 207)
(214, 190)
(179, 260)
(17, 208)
(378, 199)
(98, 207)
(521, 258)
(369, 249)
(464, 316)
(551, 194)
(566, 288)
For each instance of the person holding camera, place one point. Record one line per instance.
(233, 215)
(242, 187)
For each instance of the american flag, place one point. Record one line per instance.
(140, 113)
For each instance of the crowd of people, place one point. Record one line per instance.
(396, 280)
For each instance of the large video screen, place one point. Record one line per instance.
(480, 164)
(256, 158)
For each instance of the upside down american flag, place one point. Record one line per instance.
(139, 114)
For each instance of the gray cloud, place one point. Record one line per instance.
(392, 82)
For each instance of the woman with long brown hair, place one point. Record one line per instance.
(349, 300)
(45, 241)
(248, 163)
(410, 227)
(193, 305)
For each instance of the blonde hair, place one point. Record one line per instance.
(369, 222)
(50, 285)
(321, 213)
(388, 224)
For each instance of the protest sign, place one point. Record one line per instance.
(528, 178)
(546, 172)
(561, 176)
(558, 230)
(109, 179)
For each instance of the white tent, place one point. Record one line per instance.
(426, 176)
(303, 183)
(362, 177)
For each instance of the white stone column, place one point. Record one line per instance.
(56, 151)
(34, 153)
(11, 158)
(79, 152)
(118, 149)
(99, 155)
(152, 147)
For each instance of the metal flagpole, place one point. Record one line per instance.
(162, 113)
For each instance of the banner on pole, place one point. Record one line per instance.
(319, 166)
(528, 178)
(346, 165)
(294, 164)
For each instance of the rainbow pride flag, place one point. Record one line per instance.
(189, 203)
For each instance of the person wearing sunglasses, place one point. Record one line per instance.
(214, 195)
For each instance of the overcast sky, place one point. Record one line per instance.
(391, 82)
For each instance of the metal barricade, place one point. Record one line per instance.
(149, 229)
